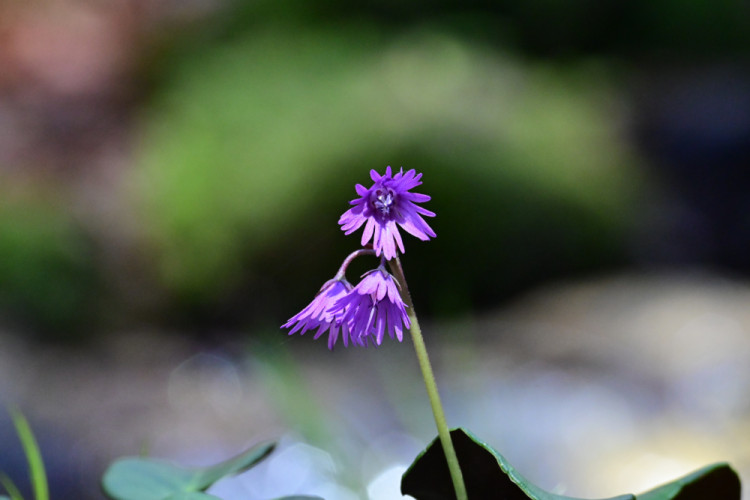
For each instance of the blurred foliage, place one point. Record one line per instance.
(37, 473)
(615, 28)
(139, 478)
(252, 147)
(48, 279)
(257, 120)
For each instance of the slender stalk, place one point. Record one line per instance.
(37, 473)
(342, 270)
(431, 385)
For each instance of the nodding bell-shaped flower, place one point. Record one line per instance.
(373, 308)
(320, 314)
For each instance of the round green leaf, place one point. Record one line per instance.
(192, 495)
(487, 474)
(206, 476)
(151, 479)
(712, 481)
(145, 479)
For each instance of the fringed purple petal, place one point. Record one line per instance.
(325, 312)
(368, 232)
(361, 190)
(423, 211)
(416, 197)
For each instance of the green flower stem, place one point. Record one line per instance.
(431, 385)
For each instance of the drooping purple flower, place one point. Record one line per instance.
(373, 307)
(319, 314)
(385, 204)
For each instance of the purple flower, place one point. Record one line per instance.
(319, 314)
(387, 203)
(374, 307)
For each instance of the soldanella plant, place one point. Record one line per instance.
(381, 302)
(457, 465)
(363, 313)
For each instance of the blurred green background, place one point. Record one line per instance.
(188, 163)
(182, 166)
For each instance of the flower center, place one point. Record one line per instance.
(382, 199)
